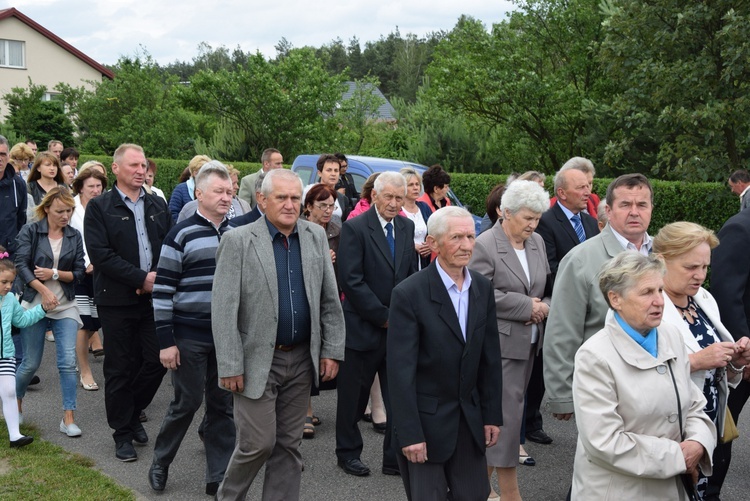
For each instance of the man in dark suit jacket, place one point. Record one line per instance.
(730, 286)
(556, 227)
(377, 253)
(444, 368)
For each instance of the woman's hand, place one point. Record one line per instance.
(742, 357)
(423, 249)
(333, 256)
(692, 451)
(539, 311)
(713, 356)
(90, 269)
(42, 274)
(49, 300)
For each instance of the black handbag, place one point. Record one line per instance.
(687, 479)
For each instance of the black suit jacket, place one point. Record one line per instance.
(730, 274)
(244, 219)
(559, 235)
(367, 275)
(434, 376)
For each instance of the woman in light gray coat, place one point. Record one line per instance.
(640, 419)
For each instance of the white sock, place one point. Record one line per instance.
(10, 405)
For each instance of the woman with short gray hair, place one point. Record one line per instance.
(641, 425)
(514, 258)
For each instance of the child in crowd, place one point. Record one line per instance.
(12, 313)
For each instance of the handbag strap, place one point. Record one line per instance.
(677, 394)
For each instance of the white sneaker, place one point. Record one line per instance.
(71, 430)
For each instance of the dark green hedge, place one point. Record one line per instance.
(708, 204)
(168, 170)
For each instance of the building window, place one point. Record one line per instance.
(12, 54)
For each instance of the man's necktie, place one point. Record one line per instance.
(578, 226)
(391, 240)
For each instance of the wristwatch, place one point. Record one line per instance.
(55, 275)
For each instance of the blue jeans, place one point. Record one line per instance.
(32, 339)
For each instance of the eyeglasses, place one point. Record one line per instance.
(325, 207)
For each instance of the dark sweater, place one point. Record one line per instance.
(184, 277)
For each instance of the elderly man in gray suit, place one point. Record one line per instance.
(271, 159)
(278, 326)
(578, 307)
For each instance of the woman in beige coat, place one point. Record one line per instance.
(716, 361)
(640, 419)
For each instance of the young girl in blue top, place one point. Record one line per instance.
(12, 313)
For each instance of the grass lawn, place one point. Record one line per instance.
(42, 470)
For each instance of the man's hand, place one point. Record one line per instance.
(328, 369)
(416, 453)
(233, 383)
(491, 434)
(148, 284)
(170, 358)
(563, 417)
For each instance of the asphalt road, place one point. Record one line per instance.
(322, 479)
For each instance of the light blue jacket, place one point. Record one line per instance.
(15, 314)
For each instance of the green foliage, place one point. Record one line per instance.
(708, 204)
(356, 114)
(31, 117)
(281, 105)
(681, 72)
(139, 106)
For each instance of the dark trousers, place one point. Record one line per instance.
(723, 452)
(465, 473)
(534, 396)
(132, 371)
(196, 375)
(355, 378)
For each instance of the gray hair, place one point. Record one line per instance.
(532, 175)
(437, 225)
(266, 187)
(4, 141)
(601, 212)
(259, 181)
(389, 178)
(524, 195)
(625, 270)
(580, 163)
(208, 169)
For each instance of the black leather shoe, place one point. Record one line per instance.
(354, 467)
(35, 380)
(390, 470)
(379, 427)
(157, 476)
(142, 417)
(212, 488)
(140, 437)
(539, 436)
(14, 444)
(367, 417)
(124, 451)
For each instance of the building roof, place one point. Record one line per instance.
(13, 12)
(386, 111)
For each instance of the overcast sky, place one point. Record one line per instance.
(170, 30)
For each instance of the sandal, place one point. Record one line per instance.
(316, 421)
(309, 430)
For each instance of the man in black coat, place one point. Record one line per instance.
(730, 286)
(444, 368)
(376, 252)
(124, 229)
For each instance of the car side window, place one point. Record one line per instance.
(359, 181)
(306, 174)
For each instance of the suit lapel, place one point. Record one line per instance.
(376, 232)
(565, 223)
(398, 222)
(260, 242)
(309, 264)
(440, 296)
(508, 256)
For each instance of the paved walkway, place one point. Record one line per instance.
(322, 479)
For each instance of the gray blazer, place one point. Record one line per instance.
(578, 312)
(495, 258)
(247, 189)
(245, 302)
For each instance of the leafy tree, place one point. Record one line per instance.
(354, 55)
(31, 117)
(682, 73)
(335, 57)
(140, 105)
(529, 77)
(358, 113)
(283, 104)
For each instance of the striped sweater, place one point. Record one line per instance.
(184, 277)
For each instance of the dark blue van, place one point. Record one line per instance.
(361, 168)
